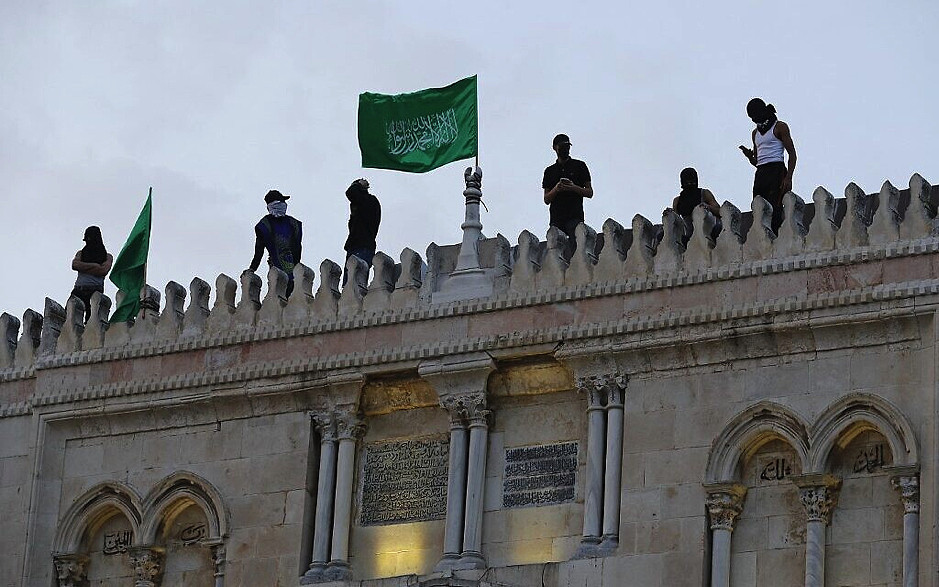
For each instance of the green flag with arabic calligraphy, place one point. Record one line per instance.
(419, 131)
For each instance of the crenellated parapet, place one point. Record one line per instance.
(827, 232)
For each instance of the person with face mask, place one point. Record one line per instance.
(566, 183)
(280, 235)
(690, 197)
(771, 138)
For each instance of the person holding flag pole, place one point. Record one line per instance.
(129, 272)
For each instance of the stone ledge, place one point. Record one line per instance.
(777, 309)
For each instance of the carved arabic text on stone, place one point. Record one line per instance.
(404, 481)
(539, 475)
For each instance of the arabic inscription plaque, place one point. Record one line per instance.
(539, 475)
(404, 481)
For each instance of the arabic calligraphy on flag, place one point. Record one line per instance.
(419, 131)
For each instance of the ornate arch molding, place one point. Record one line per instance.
(855, 413)
(748, 431)
(94, 508)
(174, 494)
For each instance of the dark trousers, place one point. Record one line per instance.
(84, 294)
(768, 183)
(365, 254)
(569, 227)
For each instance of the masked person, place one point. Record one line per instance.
(770, 138)
(690, 197)
(92, 264)
(280, 235)
(364, 218)
(566, 183)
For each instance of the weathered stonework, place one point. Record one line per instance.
(740, 408)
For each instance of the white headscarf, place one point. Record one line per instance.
(277, 209)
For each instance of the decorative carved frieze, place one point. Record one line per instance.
(724, 504)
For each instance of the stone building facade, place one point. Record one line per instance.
(755, 410)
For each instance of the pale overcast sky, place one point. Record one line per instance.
(213, 104)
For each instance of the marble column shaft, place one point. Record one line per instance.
(475, 485)
(614, 461)
(724, 504)
(456, 486)
(324, 493)
(818, 494)
(908, 486)
(596, 447)
(349, 429)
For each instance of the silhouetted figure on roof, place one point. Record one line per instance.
(690, 197)
(280, 235)
(364, 218)
(566, 183)
(771, 138)
(92, 263)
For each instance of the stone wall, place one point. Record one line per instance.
(759, 410)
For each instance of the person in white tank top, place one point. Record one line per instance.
(771, 139)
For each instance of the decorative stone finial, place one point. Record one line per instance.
(194, 320)
(641, 254)
(613, 254)
(97, 326)
(9, 329)
(326, 300)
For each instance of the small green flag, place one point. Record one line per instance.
(420, 131)
(129, 272)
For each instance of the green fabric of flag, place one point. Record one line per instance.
(129, 272)
(420, 131)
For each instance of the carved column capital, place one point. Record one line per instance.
(325, 424)
(148, 565)
(349, 425)
(467, 408)
(218, 559)
(724, 504)
(819, 495)
(71, 570)
(456, 408)
(603, 389)
(908, 486)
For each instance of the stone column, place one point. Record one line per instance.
(325, 493)
(456, 483)
(460, 382)
(71, 570)
(615, 388)
(908, 486)
(349, 428)
(148, 565)
(593, 386)
(472, 555)
(724, 504)
(819, 494)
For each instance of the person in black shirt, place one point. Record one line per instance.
(364, 218)
(566, 183)
(690, 197)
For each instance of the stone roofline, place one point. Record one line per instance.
(860, 228)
